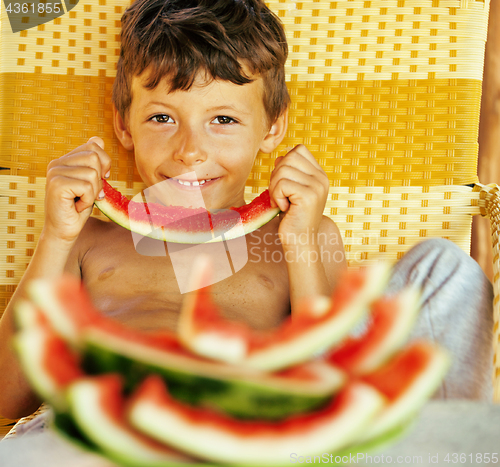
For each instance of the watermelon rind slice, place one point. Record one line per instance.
(409, 306)
(114, 437)
(29, 345)
(365, 353)
(246, 444)
(412, 399)
(325, 334)
(63, 425)
(192, 227)
(240, 391)
(43, 292)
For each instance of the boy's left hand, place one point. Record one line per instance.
(299, 187)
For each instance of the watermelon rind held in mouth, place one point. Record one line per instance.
(178, 224)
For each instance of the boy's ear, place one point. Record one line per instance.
(121, 131)
(275, 134)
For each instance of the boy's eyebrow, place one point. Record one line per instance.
(227, 107)
(211, 109)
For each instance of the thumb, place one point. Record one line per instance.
(97, 140)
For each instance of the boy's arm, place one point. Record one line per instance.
(73, 183)
(17, 399)
(313, 269)
(311, 242)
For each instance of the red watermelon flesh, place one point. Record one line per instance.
(389, 325)
(216, 437)
(180, 224)
(407, 380)
(97, 408)
(319, 323)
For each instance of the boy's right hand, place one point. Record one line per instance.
(73, 183)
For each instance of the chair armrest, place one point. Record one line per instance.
(489, 206)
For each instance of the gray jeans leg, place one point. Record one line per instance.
(457, 313)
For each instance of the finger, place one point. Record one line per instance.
(297, 160)
(93, 145)
(286, 173)
(91, 155)
(78, 172)
(67, 189)
(103, 155)
(292, 173)
(304, 152)
(288, 192)
(314, 185)
(98, 140)
(319, 184)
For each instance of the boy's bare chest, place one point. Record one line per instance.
(145, 291)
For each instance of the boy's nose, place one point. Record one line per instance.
(189, 147)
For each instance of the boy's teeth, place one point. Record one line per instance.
(196, 183)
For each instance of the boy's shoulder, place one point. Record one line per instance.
(329, 236)
(327, 225)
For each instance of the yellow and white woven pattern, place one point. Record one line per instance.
(386, 94)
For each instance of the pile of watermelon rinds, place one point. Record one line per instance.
(218, 392)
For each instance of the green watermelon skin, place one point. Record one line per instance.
(242, 398)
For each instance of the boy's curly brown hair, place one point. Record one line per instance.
(178, 38)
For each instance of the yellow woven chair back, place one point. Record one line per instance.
(386, 94)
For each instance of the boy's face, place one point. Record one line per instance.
(214, 130)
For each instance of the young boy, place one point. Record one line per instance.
(200, 88)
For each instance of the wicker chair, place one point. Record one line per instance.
(386, 94)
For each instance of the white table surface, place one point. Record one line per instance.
(461, 427)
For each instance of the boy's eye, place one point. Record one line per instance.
(223, 120)
(162, 118)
